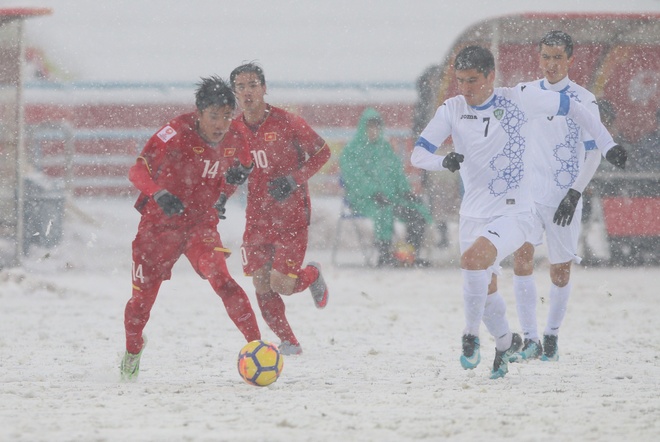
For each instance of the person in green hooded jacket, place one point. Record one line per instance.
(376, 187)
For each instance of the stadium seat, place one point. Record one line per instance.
(361, 227)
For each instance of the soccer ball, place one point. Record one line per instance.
(260, 363)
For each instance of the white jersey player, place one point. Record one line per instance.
(489, 130)
(564, 159)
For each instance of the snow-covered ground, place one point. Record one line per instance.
(379, 363)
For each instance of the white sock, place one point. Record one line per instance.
(558, 304)
(475, 291)
(524, 288)
(496, 322)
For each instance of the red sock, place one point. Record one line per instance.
(240, 311)
(306, 276)
(136, 315)
(272, 309)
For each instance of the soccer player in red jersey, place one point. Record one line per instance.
(286, 152)
(181, 176)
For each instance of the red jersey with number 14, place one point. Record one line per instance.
(179, 160)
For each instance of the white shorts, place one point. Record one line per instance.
(507, 233)
(562, 242)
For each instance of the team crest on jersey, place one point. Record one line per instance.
(270, 136)
(166, 133)
(498, 113)
(290, 263)
(198, 150)
(230, 151)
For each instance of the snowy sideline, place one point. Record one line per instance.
(379, 363)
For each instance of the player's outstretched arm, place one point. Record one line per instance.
(423, 159)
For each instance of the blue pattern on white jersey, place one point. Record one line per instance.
(508, 165)
(497, 153)
(494, 139)
(560, 145)
(566, 153)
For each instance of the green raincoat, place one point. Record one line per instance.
(371, 168)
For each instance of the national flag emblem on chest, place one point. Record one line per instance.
(230, 152)
(198, 150)
(270, 136)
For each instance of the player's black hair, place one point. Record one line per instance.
(214, 91)
(251, 67)
(475, 57)
(558, 38)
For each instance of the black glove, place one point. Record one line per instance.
(380, 199)
(280, 188)
(617, 156)
(564, 214)
(236, 175)
(453, 161)
(220, 206)
(170, 204)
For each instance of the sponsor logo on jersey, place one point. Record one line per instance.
(166, 133)
(510, 201)
(230, 151)
(494, 233)
(198, 149)
(468, 117)
(550, 118)
(270, 136)
(498, 113)
(208, 240)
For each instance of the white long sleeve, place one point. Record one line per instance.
(423, 159)
(587, 171)
(592, 125)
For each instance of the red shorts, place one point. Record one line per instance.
(284, 250)
(156, 249)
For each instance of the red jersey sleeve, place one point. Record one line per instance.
(238, 137)
(139, 175)
(315, 147)
(145, 169)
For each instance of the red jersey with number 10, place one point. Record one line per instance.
(284, 144)
(179, 160)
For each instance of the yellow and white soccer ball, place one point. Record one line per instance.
(260, 363)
